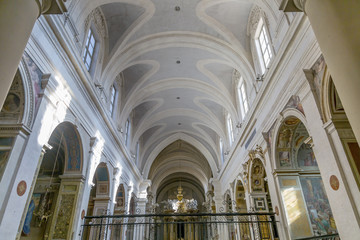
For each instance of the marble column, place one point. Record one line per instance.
(140, 228)
(17, 18)
(335, 24)
(341, 199)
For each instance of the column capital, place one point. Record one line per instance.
(51, 6)
(293, 5)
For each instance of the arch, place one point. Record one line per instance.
(287, 113)
(239, 196)
(191, 170)
(100, 191)
(300, 182)
(290, 139)
(256, 176)
(74, 151)
(228, 202)
(120, 199)
(163, 144)
(50, 192)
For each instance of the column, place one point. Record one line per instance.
(17, 18)
(140, 228)
(332, 173)
(335, 24)
(222, 230)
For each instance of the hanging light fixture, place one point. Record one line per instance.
(44, 212)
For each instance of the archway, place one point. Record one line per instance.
(99, 200)
(260, 197)
(240, 199)
(305, 201)
(118, 230)
(99, 194)
(259, 190)
(54, 196)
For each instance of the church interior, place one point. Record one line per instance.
(177, 113)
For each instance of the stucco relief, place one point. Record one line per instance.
(96, 17)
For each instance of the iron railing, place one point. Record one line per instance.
(194, 226)
(323, 237)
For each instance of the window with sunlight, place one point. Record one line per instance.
(112, 99)
(127, 130)
(89, 49)
(230, 129)
(244, 103)
(263, 46)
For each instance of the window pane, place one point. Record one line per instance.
(88, 59)
(265, 48)
(92, 40)
(89, 49)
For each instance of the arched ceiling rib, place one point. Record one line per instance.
(176, 69)
(180, 156)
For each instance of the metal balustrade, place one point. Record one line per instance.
(189, 226)
(323, 237)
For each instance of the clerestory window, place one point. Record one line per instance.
(244, 103)
(263, 46)
(89, 49)
(112, 99)
(230, 129)
(127, 131)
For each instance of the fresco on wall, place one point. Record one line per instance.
(285, 142)
(294, 102)
(12, 102)
(268, 136)
(74, 151)
(321, 217)
(13, 108)
(284, 159)
(306, 157)
(318, 70)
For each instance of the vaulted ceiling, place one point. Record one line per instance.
(177, 61)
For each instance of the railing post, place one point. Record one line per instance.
(100, 228)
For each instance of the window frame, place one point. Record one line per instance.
(89, 53)
(243, 98)
(113, 97)
(221, 148)
(230, 129)
(263, 46)
(127, 130)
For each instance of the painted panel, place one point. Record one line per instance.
(295, 208)
(296, 213)
(284, 159)
(305, 157)
(318, 206)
